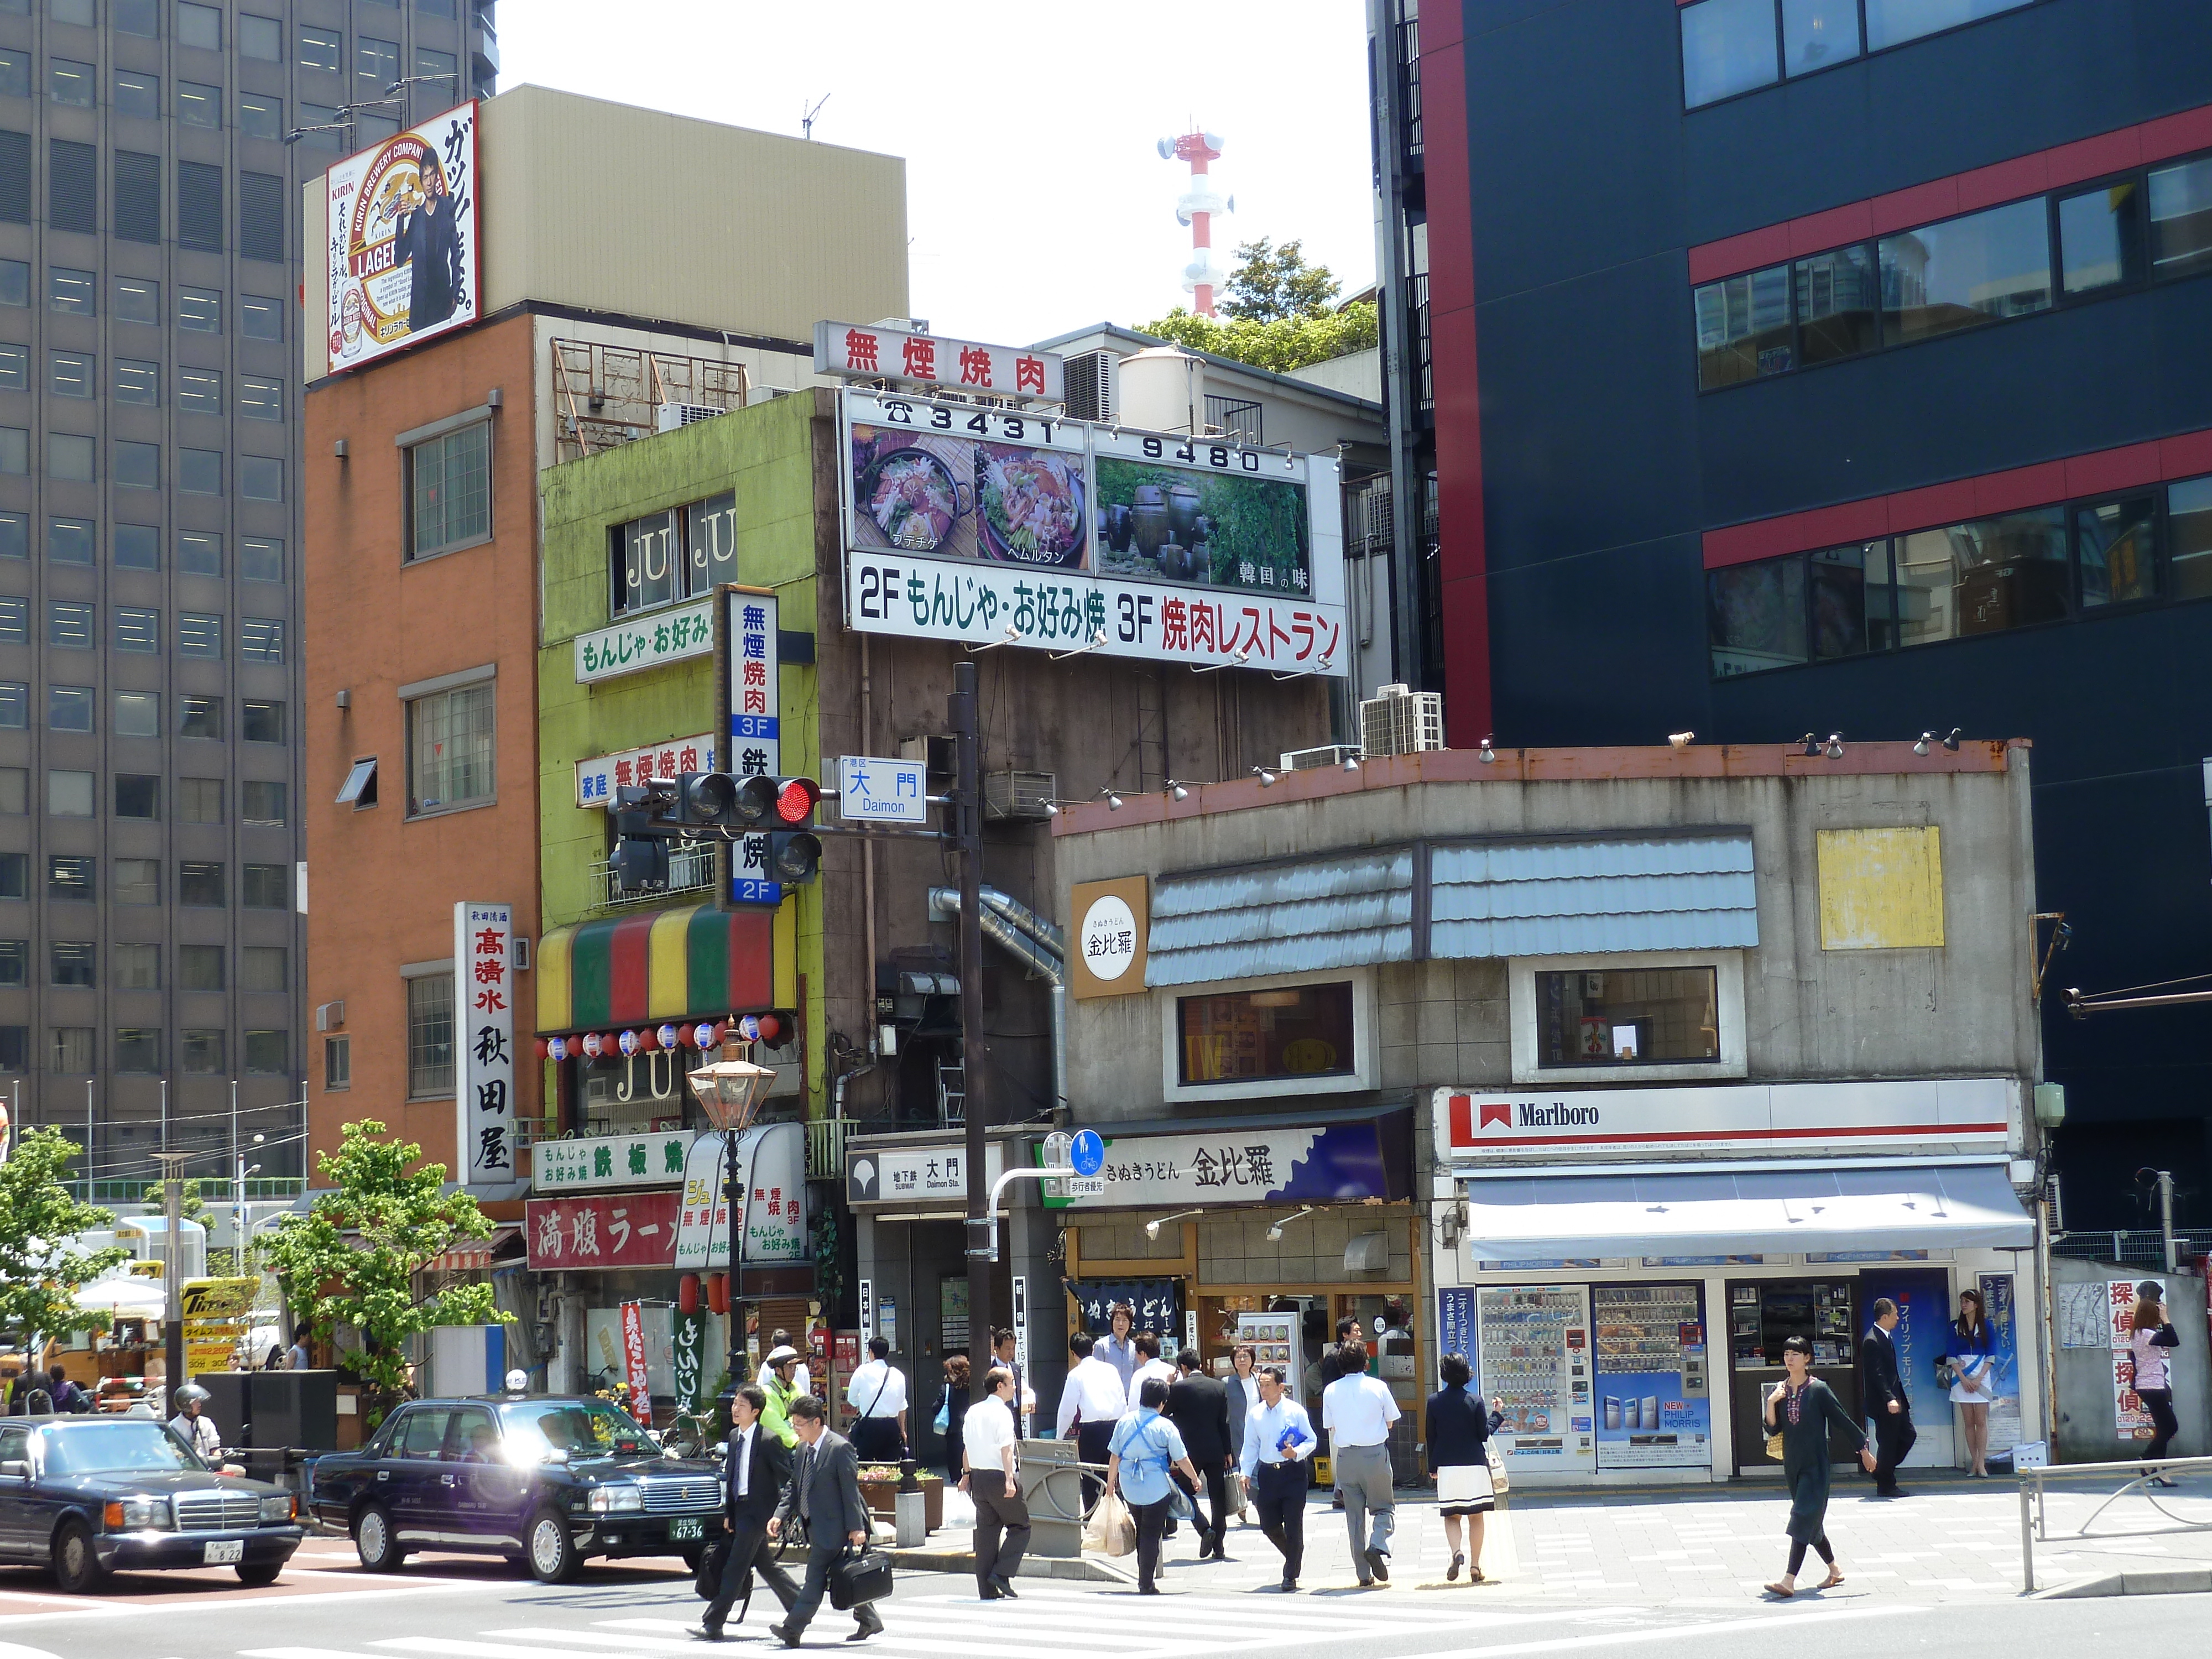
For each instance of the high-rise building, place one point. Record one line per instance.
(1840, 365)
(151, 155)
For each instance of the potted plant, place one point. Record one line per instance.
(880, 1484)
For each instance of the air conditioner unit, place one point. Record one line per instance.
(1310, 760)
(1089, 379)
(1367, 1253)
(1400, 720)
(1022, 796)
(330, 1016)
(938, 755)
(667, 418)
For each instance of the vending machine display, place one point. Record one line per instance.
(1655, 1398)
(1535, 1359)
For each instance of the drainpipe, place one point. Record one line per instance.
(1033, 942)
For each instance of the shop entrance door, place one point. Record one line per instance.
(1764, 1313)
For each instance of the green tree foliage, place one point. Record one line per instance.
(195, 1207)
(40, 1265)
(1271, 284)
(1288, 344)
(353, 1257)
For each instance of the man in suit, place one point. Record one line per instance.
(1197, 1405)
(825, 1496)
(1886, 1402)
(757, 1468)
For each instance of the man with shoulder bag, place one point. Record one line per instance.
(824, 1497)
(755, 1472)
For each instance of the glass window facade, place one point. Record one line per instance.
(450, 749)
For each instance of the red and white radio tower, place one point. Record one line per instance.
(1198, 207)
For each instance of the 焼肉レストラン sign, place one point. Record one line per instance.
(403, 239)
(870, 351)
(994, 526)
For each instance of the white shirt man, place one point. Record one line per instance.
(1358, 1411)
(1094, 1390)
(198, 1431)
(878, 1389)
(1151, 1368)
(989, 1438)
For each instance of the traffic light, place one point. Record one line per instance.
(706, 798)
(795, 856)
(640, 857)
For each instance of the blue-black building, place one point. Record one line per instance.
(1840, 366)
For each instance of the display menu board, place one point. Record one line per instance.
(1536, 1361)
(1655, 1403)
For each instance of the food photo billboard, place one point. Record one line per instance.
(403, 239)
(997, 525)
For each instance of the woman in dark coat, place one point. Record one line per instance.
(1801, 1411)
(1459, 1431)
(956, 1415)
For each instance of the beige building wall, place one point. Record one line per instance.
(608, 207)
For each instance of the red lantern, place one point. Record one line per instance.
(544, 1047)
(771, 1028)
(647, 1040)
(717, 1292)
(687, 1293)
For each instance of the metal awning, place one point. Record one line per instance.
(1675, 1212)
(476, 1256)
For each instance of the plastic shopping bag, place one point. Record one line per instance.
(1112, 1530)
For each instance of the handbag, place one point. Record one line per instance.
(1179, 1503)
(1774, 1446)
(1500, 1481)
(859, 1577)
(943, 1420)
(711, 1563)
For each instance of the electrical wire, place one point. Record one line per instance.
(2159, 985)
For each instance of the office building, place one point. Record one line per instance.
(1838, 366)
(151, 904)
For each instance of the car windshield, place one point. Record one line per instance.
(113, 1448)
(581, 1428)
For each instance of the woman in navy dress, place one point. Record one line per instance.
(1459, 1429)
(1801, 1411)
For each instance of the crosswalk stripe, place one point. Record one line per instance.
(560, 1640)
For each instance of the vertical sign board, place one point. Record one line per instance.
(483, 1042)
(403, 239)
(748, 692)
(1021, 1300)
(2000, 1306)
(634, 1362)
(867, 1311)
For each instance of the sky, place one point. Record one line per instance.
(1036, 201)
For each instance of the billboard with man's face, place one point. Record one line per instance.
(403, 239)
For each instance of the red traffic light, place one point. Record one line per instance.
(796, 799)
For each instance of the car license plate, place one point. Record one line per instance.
(679, 1531)
(225, 1552)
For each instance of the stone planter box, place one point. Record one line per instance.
(882, 1498)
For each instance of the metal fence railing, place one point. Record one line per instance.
(2135, 1248)
(2035, 1525)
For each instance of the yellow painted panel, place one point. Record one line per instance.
(1880, 890)
(787, 955)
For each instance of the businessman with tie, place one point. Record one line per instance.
(825, 1496)
(755, 1470)
(1885, 1401)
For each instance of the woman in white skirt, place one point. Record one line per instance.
(1970, 1361)
(1459, 1433)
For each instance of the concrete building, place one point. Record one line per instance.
(1604, 1067)
(149, 542)
(420, 695)
(1774, 387)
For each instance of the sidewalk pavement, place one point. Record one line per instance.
(1951, 1539)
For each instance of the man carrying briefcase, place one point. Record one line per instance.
(753, 1477)
(824, 1495)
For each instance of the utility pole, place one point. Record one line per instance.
(172, 1287)
(968, 829)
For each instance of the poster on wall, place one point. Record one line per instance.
(1654, 1395)
(1924, 1330)
(1535, 1359)
(403, 239)
(607, 1364)
(1000, 526)
(2130, 1420)
(1455, 1329)
(2001, 1307)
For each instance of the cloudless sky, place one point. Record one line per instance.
(1035, 202)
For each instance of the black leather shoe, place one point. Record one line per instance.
(1379, 1565)
(786, 1635)
(870, 1622)
(988, 1592)
(707, 1633)
(1005, 1589)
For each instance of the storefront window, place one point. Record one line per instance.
(1626, 1017)
(1298, 1031)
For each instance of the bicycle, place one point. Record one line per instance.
(690, 1434)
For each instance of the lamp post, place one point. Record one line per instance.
(730, 1093)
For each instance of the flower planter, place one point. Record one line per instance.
(882, 1498)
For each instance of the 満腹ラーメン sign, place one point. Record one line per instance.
(1360, 1157)
(403, 239)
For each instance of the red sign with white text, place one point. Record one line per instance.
(641, 1392)
(603, 1230)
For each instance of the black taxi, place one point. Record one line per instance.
(548, 1481)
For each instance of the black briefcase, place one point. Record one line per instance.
(708, 1580)
(859, 1577)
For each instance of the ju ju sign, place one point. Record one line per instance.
(483, 1042)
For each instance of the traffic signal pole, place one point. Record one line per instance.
(968, 828)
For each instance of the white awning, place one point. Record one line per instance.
(1677, 1211)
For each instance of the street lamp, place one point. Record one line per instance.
(730, 1092)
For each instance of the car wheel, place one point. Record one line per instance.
(553, 1556)
(255, 1574)
(76, 1563)
(372, 1540)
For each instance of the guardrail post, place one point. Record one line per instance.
(2027, 1537)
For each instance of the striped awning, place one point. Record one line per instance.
(474, 1256)
(696, 962)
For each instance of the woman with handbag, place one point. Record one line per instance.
(1460, 1427)
(2152, 1341)
(952, 1415)
(1799, 1413)
(1242, 1386)
(1144, 1445)
(1969, 1362)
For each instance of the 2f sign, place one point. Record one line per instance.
(881, 790)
